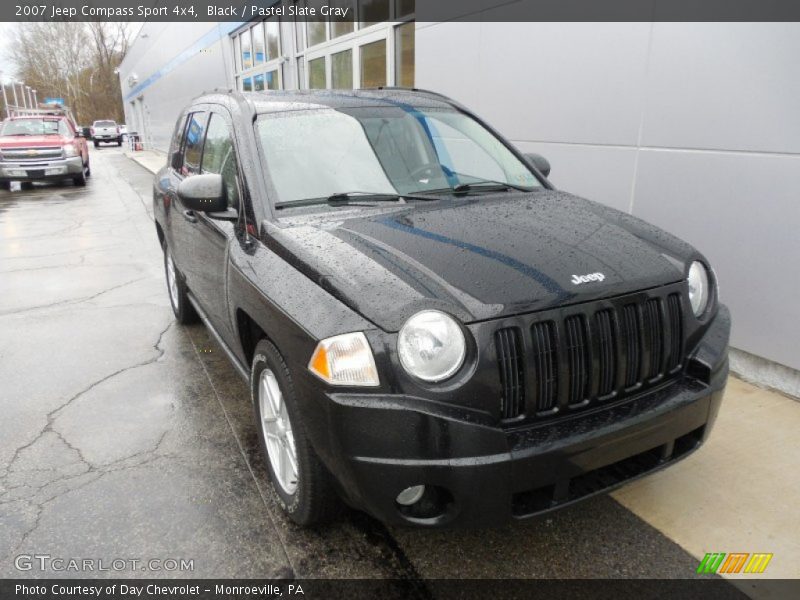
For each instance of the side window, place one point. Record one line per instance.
(177, 136)
(193, 146)
(219, 156)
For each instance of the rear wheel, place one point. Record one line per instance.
(119, 142)
(178, 298)
(303, 485)
(88, 170)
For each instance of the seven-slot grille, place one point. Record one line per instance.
(577, 360)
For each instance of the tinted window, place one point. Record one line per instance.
(219, 157)
(193, 145)
(177, 136)
(105, 124)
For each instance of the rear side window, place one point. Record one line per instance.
(105, 124)
(193, 146)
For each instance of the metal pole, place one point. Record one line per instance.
(35, 99)
(14, 89)
(30, 96)
(5, 97)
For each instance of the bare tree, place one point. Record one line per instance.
(74, 61)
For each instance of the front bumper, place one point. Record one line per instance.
(480, 474)
(41, 170)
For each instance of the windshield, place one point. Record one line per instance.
(384, 150)
(36, 127)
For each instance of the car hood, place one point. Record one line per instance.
(479, 257)
(25, 141)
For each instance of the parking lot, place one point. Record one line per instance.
(125, 436)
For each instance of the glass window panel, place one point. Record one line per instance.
(373, 64)
(405, 7)
(342, 25)
(316, 74)
(258, 83)
(404, 55)
(194, 144)
(373, 11)
(219, 157)
(272, 80)
(316, 32)
(247, 84)
(342, 70)
(247, 56)
(273, 39)
(258, 45)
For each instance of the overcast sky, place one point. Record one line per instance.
(6, 66)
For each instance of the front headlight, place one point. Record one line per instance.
(698, 288)
(345, 360)
(70, 151)
(431, 346)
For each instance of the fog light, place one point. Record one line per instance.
(410, 495)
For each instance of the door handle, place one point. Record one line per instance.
(190, 216)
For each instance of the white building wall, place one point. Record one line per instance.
(694, 127)
(172, 63)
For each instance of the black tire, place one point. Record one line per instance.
(26, 185)
(88, 170)
(119, 142)
(315, 500)
(97, 144)
(5, 185)
(80, 180)
(183, 310)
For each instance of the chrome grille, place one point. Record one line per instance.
(32, 154)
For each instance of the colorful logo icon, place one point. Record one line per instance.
(736, 562)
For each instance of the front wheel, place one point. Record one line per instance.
(97, 144)
(80, 180)
(303, 485)
(178, 298)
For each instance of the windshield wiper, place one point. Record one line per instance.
(489, 184)
(342, 198)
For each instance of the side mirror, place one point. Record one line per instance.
(540, 162)
(204, 193)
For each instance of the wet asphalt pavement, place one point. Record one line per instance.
(125, 435)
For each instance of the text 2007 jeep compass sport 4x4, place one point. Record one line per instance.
(430, 330)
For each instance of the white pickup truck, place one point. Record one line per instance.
(105, 132)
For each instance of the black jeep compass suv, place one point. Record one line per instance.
(430, 330)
